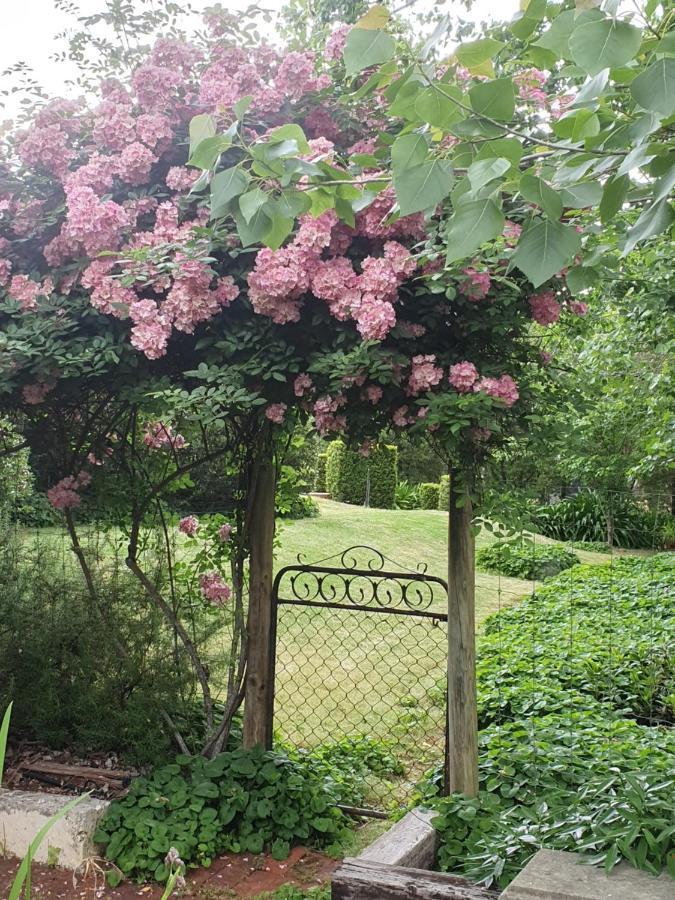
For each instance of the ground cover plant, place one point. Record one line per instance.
(576, 704)
(244, 800)
(525, 559)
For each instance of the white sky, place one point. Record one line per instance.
(29, 26)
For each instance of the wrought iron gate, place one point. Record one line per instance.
(361, 650)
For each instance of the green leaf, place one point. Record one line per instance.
(526, 21)
(423, 187)
(292, 203)
(601, 43)
(592, 89)
(241, 106)
(254, 231)
(207, 152)
(613, 195)
(494, 99)
(470, 226)
(509, 148)
(654, 89)
(290, 132)
(366, 47)
(4, 731)
(577, 125)
(278, 231)
(556, 37)
(438, 105)
(201, 127)
(662, 189)
(579, 278)
(280, 849)
(408, 151)
(483, 171)
(250, 202)
(544, 248)
(582, 195)
(225, 186)
(473, 53)
(653, 220)
(537, 191)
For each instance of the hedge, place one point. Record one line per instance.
(347, 474)
(444, 493)
(428, 495)
(320, 478)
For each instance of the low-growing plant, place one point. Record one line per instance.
(351, 762)
(239, 801)
(406, 496)
(525, 559)
(428, 495)
(590, 546)
(567, 681)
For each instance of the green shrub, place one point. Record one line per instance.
(524, 559)
(320, 477)
(590, 546)
(348, 474)
(291, 501)
(565, 681)
(585, 517)
(350, 762)
(407, 496)
(240, 801)
(428, 494)
(444, 493)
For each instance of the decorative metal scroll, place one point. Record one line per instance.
(362, 578)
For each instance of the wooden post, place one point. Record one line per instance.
(259, 696)
(462, 752)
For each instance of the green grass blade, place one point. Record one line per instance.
(4, 731)
(24, 868)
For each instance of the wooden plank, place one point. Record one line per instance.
(412, 841)
(356, 879)
(85, 773)
(259, 697)
(462, 754)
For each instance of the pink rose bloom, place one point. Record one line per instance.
(189, 525)
(578, 307)
(400, 416)
(463, 376)
(511, 232)
(504, 389)
(275, 412)
(544, 307)
(424, 374)
(476, 285)
(224, 533)
(214, 589)
(302, 384)
(366, 447)
(36, 393)
(374, 393)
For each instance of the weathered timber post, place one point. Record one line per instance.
(259, 696)
(462, 752)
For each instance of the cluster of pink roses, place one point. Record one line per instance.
(465, 378)
(65, 494)
(159, 436)
(546, 309)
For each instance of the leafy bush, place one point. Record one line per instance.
(290, 501)
(428, 494)
(348, 474)
(569, 771)
(585, 517)
(444, 493)
(245, 800)
(524, 559)
(60, 660)
(406, 496)
(591, 546)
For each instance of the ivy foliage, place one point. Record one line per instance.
(239, 801)
(525, 559)
(576, 688)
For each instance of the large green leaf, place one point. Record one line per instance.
(408, 151)
(201, 127)
(474, 53)
(494, 99)
(582, 195)
(471, 225)
(654, 89)
(4, 731)
(290, 132)
(532, 12)
(367, 47)
(653, 220)
(613, 195)
(251, 201)
(206, 153)
(557, 36)
(226, 185)
(509, 148)
(601, 43)
(537, 191)
(439, 105)
(483, 171)
(577, 125)
(544, 248)
(423, 187)
(253, 231)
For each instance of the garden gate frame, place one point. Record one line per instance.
(360, 578)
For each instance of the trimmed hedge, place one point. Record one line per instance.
(347, 474)
(524, 559)
(428, 495)
(444, 493)
(320, 477)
